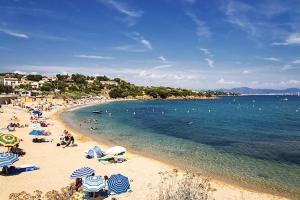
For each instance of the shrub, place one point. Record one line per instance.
(187, 186)
(64, 194)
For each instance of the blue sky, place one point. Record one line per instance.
(195, 44)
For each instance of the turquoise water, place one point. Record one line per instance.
(250, 140)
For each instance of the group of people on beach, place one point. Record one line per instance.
(76, 186)
(66, 139)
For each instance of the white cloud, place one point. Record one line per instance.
(123, 8)
(20, 72)
(130, 13)
(223, 82)
(94, 57)
(272, 59)
(296, 61)
(129, 48)
(293, 39)
(246, 72)
(254, 82)
(134, 48)
(138, 37)
(287, 67)
(167, 76)
(162, 66)
(236, 14)
(146, 43)
(210, 62)
(163, 59)
(189, 1)
(14, 33)
(290, 83)
(202, 29)
(206, 52)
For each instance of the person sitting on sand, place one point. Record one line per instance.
(77, 185)
(17, 150)
(69, 139)
(10, 128)
(104, 191)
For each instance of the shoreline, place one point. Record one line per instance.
(217, 182)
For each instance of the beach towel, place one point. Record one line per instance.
(36, 132)
(34, 125)
(21, 169)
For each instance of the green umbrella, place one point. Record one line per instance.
(8, 140)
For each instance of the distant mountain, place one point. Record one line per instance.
(246, 90)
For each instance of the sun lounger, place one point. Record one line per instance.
(112, 159)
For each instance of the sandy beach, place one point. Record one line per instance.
(57, 163)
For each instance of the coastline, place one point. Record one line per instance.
(221, 185)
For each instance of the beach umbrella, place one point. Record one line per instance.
(93, 184)
(8, 140)
(8, 159)
(115, 150)
(36, 112)
(118, 183)
(82, 172)
(16, 120)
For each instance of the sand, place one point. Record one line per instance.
(57, 163)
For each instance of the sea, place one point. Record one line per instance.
(251, 141)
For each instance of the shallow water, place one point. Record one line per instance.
(250, 140)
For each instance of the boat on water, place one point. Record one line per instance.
(285, 99)
(97, 111)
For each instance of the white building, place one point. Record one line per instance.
(9, 81)
(34, 85)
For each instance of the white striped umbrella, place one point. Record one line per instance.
(93, 184)
(7, 159)
(82, 172)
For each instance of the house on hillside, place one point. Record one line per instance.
(109, 83)
(9, 81)
(49, 79)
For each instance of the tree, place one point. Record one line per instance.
(46, 87)
(102, 78)
(116, 93)
(34, 77)
(6, 89)
(61, 77)
(79, 78)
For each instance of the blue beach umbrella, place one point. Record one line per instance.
(118, 184)
(36, 112)
(93, 184)
(7, 159)
(82, 172)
